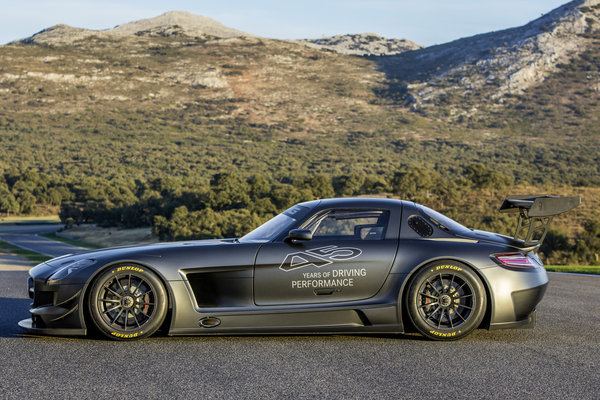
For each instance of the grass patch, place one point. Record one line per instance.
(52, 219)
(575, 269)
(54, 236)
(29, 255)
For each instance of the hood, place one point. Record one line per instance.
(154, 249)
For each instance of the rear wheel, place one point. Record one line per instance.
(127, 302)
(446, 301)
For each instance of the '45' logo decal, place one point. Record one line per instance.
(318, 257)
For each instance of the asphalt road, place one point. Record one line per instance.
(558, 359)
(26, 236)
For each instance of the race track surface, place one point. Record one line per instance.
(27, 237)
(558, 359)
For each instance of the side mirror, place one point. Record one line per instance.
(300, 234)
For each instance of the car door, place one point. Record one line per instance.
(348, 258)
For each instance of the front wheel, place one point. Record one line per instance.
(127, 302)
(446, 301)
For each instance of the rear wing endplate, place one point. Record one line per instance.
(535, 214)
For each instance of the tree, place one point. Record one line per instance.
(484, 177)
(263, 206)
(375, 184)
(228, 191)
(26, 203)
(587, 247)
(416, 181)
(348, 185)
(8, 203)
(181, 225)
(319, 185)
(285, 196)
(260, 187)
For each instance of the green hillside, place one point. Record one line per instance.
(206, 137)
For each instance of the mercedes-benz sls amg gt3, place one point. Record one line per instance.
(349, 265)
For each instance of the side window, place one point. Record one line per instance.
(350, 225)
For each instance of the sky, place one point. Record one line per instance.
(425, 22)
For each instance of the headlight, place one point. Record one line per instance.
(67, 269)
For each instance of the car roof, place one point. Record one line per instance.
(355, 202)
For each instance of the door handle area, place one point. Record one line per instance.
(325, 292)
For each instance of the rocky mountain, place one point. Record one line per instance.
(168, 94)
(189, 24)
(465, 77)
(60, 34)
(171, 23)
(363, 44)
(491, 65)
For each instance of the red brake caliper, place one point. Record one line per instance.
(146, 298)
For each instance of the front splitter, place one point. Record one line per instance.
(27, 324)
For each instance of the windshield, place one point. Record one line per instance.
(276, 225)
(441, 221)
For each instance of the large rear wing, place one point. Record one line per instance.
(535, 214)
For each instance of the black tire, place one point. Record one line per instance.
(446, 301)
(127, 302)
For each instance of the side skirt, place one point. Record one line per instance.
(381, 319)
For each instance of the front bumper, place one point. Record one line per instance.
(55, 309)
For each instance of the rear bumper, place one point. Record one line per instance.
(514, 296)
(524, 303)
(526, 323)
